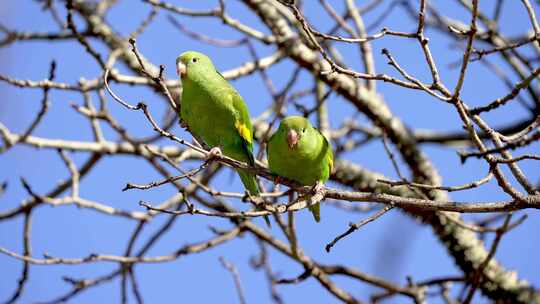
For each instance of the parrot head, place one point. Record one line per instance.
(191, 62)
(295, 129)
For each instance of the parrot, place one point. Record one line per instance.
(300, 152)
(215, 112)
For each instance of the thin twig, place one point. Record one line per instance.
(236, 276)
(355, 226)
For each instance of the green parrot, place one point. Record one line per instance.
(215, 112)
(300, 152)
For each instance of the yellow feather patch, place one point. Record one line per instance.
(330, 162)
(244, 131)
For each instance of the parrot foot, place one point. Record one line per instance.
(318, 193)
(184, 125)
(214, 152)
(317, 188)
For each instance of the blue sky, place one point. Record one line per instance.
(392, 247)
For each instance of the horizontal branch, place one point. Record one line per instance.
(408, 203)
(92, 258)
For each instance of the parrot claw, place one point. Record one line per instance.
(214, 152)
(317, 188)
(183, 124)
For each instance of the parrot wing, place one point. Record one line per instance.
(329, 157)
(243, 125)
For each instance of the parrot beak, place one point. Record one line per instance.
(181, 69)
(292, 138)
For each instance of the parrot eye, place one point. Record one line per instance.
(303, 130)
(194, 59)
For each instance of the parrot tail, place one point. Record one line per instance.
(316, 211)
(250, 183)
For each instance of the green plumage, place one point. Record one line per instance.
(309, 161)
(215, 112)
